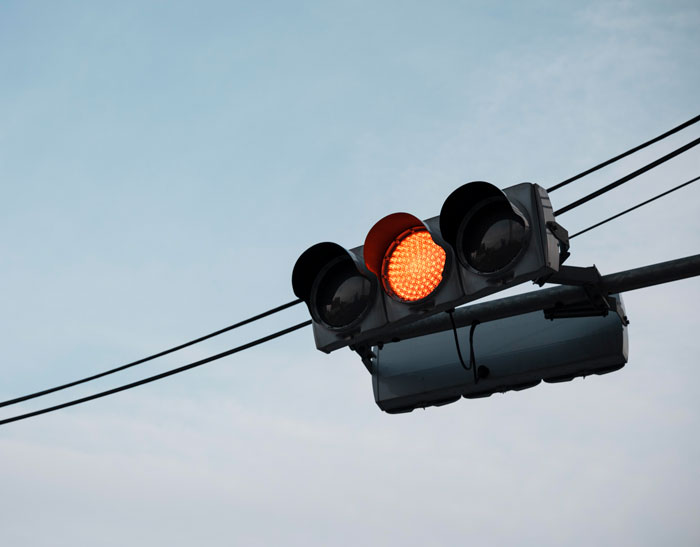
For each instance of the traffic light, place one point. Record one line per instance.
(502, 238)
(512, 354)
(483, 241)
(341, 294)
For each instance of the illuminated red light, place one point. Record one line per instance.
(413, 265)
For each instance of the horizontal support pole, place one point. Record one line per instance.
(628, 280)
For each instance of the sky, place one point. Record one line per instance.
(162, 166)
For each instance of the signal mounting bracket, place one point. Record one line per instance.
(597, 301)
(576, 275)
(366, 355)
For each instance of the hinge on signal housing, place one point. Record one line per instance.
(562, 236)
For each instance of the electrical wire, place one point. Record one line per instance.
(459, 351)
(472, 358)
(625, 154)
(158, 376)
(635, 207)
(150, 357)
(564, 209)
(627, 178)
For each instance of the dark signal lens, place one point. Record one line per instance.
(492, 238)
(342, 294)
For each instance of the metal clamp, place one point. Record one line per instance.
(597, 301)
(366, 354)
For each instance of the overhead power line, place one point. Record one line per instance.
(158, 376)
(150, 357)
(627, 178)
(635, 207)
(625, 154)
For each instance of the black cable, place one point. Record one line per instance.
(459, 351)
(624, 154)
(635, 207)
(472, 358)
(158, 376)
(150, 357)
(627, 178)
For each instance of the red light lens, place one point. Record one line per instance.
(413, 265)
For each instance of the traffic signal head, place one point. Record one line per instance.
(483, 241)
(400, 251)
(486, 229)
(340, 293)
(414, 266)
(501, 238)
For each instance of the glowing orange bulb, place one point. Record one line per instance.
(413, 265)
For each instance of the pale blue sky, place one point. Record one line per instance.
(163, 164)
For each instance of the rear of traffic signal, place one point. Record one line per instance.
(517, 352)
